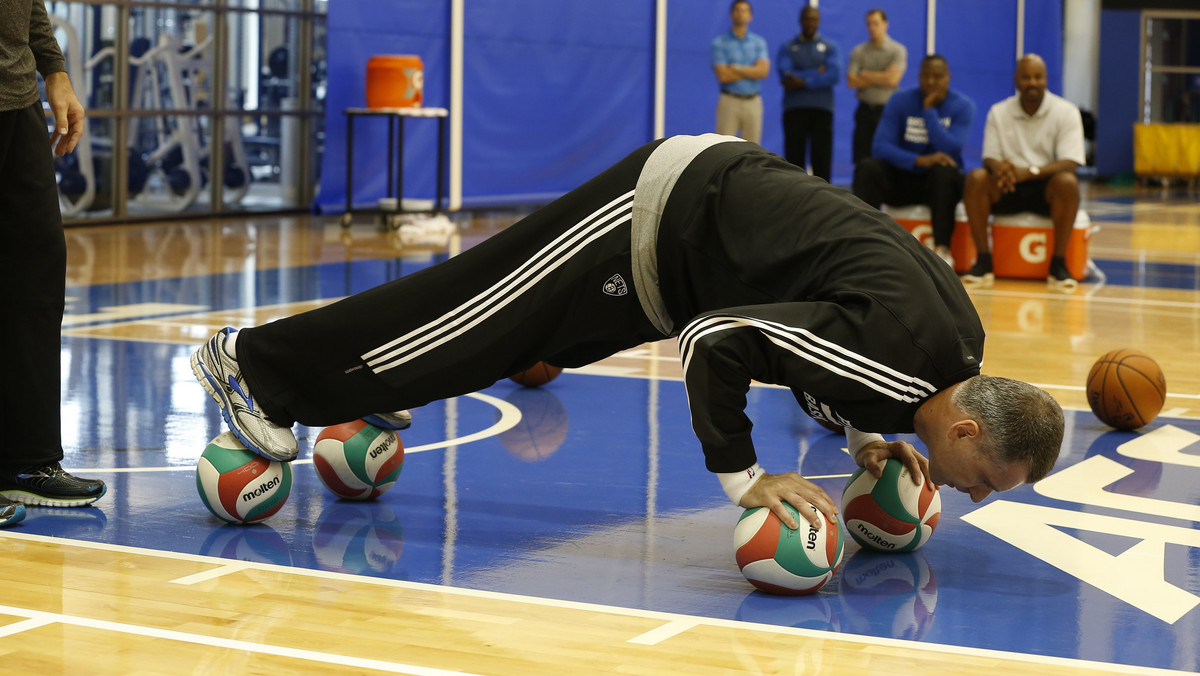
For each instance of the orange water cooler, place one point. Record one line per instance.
(395, 81)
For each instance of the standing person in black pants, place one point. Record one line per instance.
(34, 262)
(809, 66)
(874, 73)
(763, 272)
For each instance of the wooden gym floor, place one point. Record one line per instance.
(572, 528)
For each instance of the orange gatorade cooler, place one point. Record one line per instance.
(395, 81)
(1023, 243)
(915, 219)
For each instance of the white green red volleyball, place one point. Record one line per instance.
(891, 514)
(238, 485)
(779, 560)
(357, 460)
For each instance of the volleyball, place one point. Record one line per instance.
(362, 538)
(1126, 389)
(239, 486)
(893, 594)
(891, 514)
(779, 560)
(357, 460)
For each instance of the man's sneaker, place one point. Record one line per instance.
(10, 512)
(943, 253)
(1060, 278)
(399, 420)
(49, 485)
(980, 275)
(219, 374)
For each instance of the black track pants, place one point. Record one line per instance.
(555, 286)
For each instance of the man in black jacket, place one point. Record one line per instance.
(763, 272)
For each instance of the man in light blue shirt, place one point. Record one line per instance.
(740, 60)
(809, 66)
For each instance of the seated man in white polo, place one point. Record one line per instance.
(1032, 145)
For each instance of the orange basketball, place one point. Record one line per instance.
(537, 375)
(1126, 389)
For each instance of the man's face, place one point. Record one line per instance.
(934, 77)
(810, 20)
(876, 26)
(1031, 81)
(957, 463)
(741, 14)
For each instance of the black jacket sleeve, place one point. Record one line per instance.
(856, 365)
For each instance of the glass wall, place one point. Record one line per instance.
(1171, 66)
(164, 81)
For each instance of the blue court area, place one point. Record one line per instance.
(597, 493)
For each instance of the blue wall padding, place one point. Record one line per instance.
(1117, 95)
(555, 91)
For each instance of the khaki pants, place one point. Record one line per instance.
(734, 114)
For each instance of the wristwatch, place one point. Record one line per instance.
(1035, 171)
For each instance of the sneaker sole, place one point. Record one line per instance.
(16, 518)
(210, 384)
(984, 282)
(1062, 285)
(383, 424)
(25, 497)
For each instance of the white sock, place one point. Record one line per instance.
(231, 344)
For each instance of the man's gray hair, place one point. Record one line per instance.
(1020, 423)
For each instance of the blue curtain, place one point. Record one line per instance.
(554, 92)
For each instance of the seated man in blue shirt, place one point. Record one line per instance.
(917, 151)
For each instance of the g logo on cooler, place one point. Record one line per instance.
(924, 234)
(1033, 247)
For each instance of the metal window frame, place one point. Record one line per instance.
(1146, 69)
(121, 113)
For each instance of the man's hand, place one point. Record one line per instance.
(873, 456)
(792, 82)
(67, 111)
(772, 490)
(1005, 175)
(934, 159)
(934, 98)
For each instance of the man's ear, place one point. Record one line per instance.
(964, 429)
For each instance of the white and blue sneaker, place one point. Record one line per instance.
(398, 420)
(10, 512)
(219, 374)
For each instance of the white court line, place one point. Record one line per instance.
(23, 625)
(44, 618)
(510, 415)
(666, 631)
(556, 603)
(206, 575)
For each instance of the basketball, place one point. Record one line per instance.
(779, 560)
(890, 514)
(537, 375)
(543, 426)
(238, 485)
(1126, 389)
(357, 460)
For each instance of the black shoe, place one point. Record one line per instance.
(49, 485)
(10, 512)
(980, 275)
(1060, 278)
